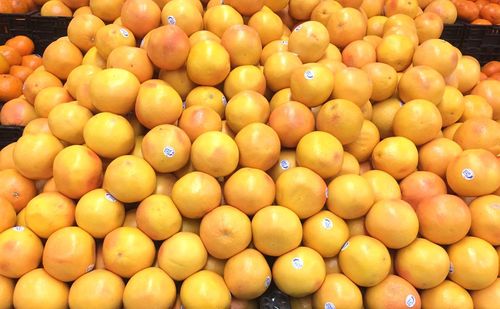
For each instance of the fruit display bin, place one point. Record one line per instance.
(481, 42)
(9, 134)
(42, 30)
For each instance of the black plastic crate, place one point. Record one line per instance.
(274, 299)
(481, 42)
(55, 26)
(14, 23)
(9, 134)
(454, 34)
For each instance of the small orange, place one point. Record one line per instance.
(65, 113)
(86, 291)
(55, 8)
(348, 120)
(31, 61)
(323, 10)
(23, 44)
(196, 120)
(20, 72)
(10, 87)
(10, 54)
(17, 189)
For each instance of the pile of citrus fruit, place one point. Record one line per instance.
(191, 153)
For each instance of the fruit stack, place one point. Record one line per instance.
(185, 153)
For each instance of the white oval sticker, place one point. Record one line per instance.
(224, 101)
(18, 228)
(467, 174)
(109, 197)
(267, 282)
(124, 33)
(171, 20)
(410, 301)
(309, 74)
(329, 305)
(327, 224)
(90, 267)
(452, 268)
(346, 244)
(297, 263)
(284, 164)
(169, 152)
(297, 28)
